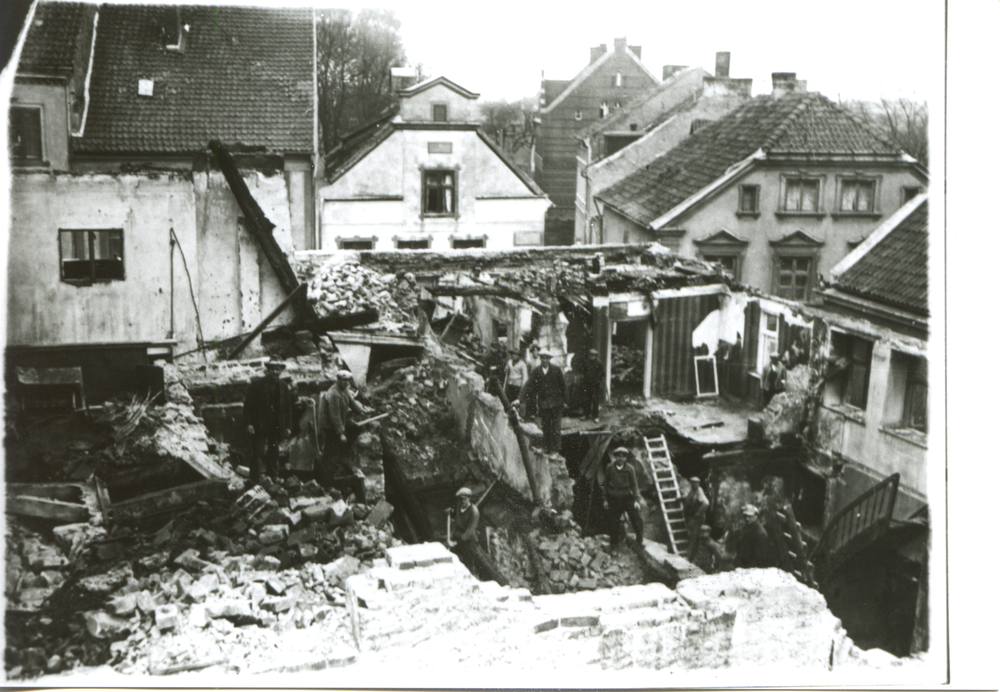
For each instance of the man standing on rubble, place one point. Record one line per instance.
(775, 375)
(591, 373)
(517, 376)
(267, 413)
(621, 495)
(696, 510)
(546, 389)
(334, 406)
(752, 549)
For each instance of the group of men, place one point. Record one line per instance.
(267, 413)
(541, 390)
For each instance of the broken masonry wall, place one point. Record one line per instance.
(233, 285)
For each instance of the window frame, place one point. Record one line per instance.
(714, 255)
(434, 112)
(903, 193)
(91, 235)
(425, 189)
(797, 244)
(838, 391)
(810, 273)
(740, 211)
(39, 109)
(790, 178)
(341, 241)
(468, 239)
(855, 178)
(397, 240)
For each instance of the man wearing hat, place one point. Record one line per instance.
(517, 375)
(334, 406)
(267, 414)
(752, 549)
(775, 375)
(591, 377)
(546, 389)
(466, 522)
(621, 495)
(696, 509)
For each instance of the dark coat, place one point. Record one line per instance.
(268, 406)
(549, 389)
(590, 370)
(752, 550)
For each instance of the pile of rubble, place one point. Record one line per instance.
(350, 287)
(571, 562)
(420, 431)
(274, 556)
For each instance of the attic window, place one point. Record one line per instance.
(604, 110)
(25, 133)
(579, 114)
(440, 113)
(145, 87)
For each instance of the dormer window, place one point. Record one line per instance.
(25, 134)
(174, 30)
(440, 113)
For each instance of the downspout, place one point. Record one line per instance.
(587, 235)
(90, 71)
(318, 162)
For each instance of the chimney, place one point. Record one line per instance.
(402, 78)
(637, 50)
(598, 51)
(722, 64)
(726, 86)
(670, 70)
(620, 44)
(785, 83)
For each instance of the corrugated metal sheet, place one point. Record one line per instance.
(673, 354)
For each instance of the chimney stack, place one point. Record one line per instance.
(598, 51)
(402, 78)
(785, 83)
(722, 64)
(670, 70)
(620, 44)
(637, 50)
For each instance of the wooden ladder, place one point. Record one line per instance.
(668, 493)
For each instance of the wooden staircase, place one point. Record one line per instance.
(668, 492)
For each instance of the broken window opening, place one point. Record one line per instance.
(439, 193)
(88, 256)
(852, 357)
(730, 264)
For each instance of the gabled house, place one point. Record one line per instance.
(777, 191)
(568, 107)
(127, 243)
(647, 126)
(425, 176)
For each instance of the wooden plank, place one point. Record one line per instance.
(169, 500)
(57, 510)
(298, 291)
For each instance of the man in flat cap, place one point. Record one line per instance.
(696, 510)
(591, 374)
(335, 405)
(775, 376)
(621, 495)
(547, 388)
(752, 550)
(267, 415)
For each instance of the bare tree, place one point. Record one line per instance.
(510, 125)
(902, 121)
(354, 57)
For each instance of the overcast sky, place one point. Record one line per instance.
(851, 49)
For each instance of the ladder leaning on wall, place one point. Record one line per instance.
(668, 493)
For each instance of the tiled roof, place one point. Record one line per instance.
(245, 78)
(799, 123)
(621, 118)
(894, 270)
(52, 40)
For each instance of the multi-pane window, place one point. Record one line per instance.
(852, 358)
(421, 244)
(440, 113)
(749, 199)
(794, 275)
(857, 194)
(25, 133)
(356, 243)
(439, 193)
(87, 256)
(801, 194)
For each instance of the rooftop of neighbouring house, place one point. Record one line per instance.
(54, 37)
(893, 269)
(799, 123)
(241, 75)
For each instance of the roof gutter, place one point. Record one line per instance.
(90, 71)
(734, 172)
